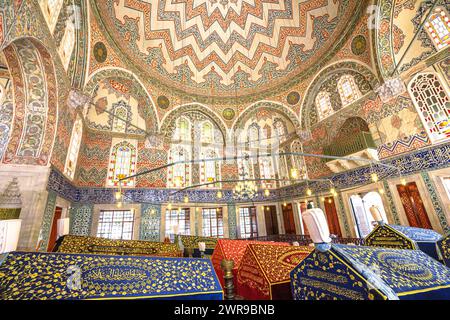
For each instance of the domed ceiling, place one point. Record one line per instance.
(225, 47)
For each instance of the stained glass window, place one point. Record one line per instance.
(266, 171)
(122, 164)
(438, 28)
(253, 136)
(209, 170)
(120, 114)
(248, 223)
(116, 224)
(283, 172)
(212, 222)
(280, 131)
(323, 105)
(178, 221)
(433, 105)
(178, 174)
(207, 133)
(75, 142)
(297, 161)
(245, 168)
(348, 90)
(183, 129)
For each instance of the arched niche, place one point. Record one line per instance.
(128, 85)
(327, 81)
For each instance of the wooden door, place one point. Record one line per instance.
(54, 230)
(270, 216)
(288, 218)
(412, 203)
(332, 217)
(303, 208)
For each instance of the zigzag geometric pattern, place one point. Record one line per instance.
(225, 44)
(407, 144)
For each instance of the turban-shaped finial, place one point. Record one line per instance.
(318, 228)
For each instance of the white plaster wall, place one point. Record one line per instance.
(33, 184)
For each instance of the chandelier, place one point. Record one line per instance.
(245, 190)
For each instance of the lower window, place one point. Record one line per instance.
(212, 222)
(247, 219)
(177, 222)
(116, 224)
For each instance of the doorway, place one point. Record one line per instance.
(288, 218)
(303, 207)
(270, 216)
(414, 208)
(54, 230)
(332, 217)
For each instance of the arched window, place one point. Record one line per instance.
(438, 28)
(280, 130)
(183, 131)
(207, 133)
(283, 171)
(51, 10)
(120, 115)
(266, 170)
(323, 105)
(253, 136)
(122, 163)
(67, 43)
(298, 161)
(178, 174)
(348, 90)
(433, 104)
(74, 147)
(209, 170)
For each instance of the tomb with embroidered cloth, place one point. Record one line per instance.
(347, 272)
(444, 249)
(370, 273)
(234, 250)
(93, 245)
(404, 237)
(191, 243)
(264, 271)
(60, 276)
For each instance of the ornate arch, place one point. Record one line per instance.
(308, 110)
(142, 95)
(168, 121)
(275, 106)
(35, 94)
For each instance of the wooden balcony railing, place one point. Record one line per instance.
(350, 145)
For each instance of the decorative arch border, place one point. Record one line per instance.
(20, 100)
(168, 121)
(312, 90)
(276, 106)
(114, 72)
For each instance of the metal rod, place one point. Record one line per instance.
(240, 180)
(259, 156)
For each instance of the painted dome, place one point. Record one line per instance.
(225, 47)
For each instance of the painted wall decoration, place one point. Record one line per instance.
(150, 222)
(6, 117)
(100, 52)
(36, 107)
(47, 220)
(201, 61)
(359, 45)
(81, 220)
